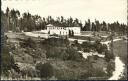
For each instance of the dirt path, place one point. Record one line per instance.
(119, 68)
(119, 65)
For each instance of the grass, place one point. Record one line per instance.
(85, 38)
(90, 32)
(68, 70)
(120, 49)
(72, 70)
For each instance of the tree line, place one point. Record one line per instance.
(15, 21)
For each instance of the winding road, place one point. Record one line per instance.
(119, 65)
(119, 68)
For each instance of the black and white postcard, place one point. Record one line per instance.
(64, 39)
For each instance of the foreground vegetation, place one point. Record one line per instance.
(55, 58)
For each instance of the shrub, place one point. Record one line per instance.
(75, 42)
(87, 46)
(86, 49)
(65, 74)
(38, 66)
(99, 47)
(98, 73)
(109, 55)
(93, 73)
(96, 46)
(55, 42)
(28, 43)
(104, 47)
(96, 57)
(84, 75)
(98, 41)
(64, 54)
(7, 60)
(53, 52)
(110, 68)
(73, 55)
(46, 70)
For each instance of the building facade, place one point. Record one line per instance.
(62, 30)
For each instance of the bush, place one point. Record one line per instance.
(46, 70)
(99, 47)
(98, 73)
(87, 46)
(65, 74)
(53, 52)
(98, 41)
(96, 46)
(93, 73)
(38, 66)
(58, 48)
(110, 68)
(87, 50)
(96, 57)
(84, 76)
(64, 54)
(7, 60)
(73, 55)
(109, 55)
(75, 42)
(28, 43)
(104, 47)
(55, 42)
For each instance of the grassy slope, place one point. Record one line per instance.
(64, 69)
(120, 49)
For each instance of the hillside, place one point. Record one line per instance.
(61, 57)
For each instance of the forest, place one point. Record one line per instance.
(13, 20)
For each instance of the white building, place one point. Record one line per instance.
(62, 30)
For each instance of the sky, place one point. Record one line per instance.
(102, 10)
